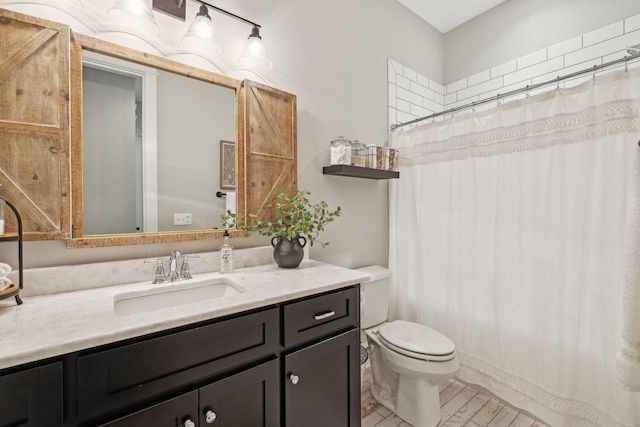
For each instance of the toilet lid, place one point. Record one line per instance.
(415, 340)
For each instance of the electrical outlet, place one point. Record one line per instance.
(181, 219)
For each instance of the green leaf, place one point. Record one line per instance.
(295, 216)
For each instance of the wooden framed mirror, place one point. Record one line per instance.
(42, 136)
(145, 138)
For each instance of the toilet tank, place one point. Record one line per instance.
(374, 296)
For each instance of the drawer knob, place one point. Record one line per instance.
(293, 378)
(189, 423)
(325, 315)
(210, 416)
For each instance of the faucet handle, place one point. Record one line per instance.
(159, 276)
(184, 270)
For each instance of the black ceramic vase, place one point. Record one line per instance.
(288, 253)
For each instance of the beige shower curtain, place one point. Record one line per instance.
(508, 230)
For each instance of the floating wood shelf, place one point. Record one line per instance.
(359, 172)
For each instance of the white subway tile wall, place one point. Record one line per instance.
(525, 74)
(632, 24)
(412, 95)
(503, 69)
(479, 78)
(456, 86)
(604, 33)
(564, 47)
(532, 59)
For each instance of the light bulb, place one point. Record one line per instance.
(201, 35)
(254, 55)
(137, 12)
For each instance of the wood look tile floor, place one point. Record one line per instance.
(461, 406)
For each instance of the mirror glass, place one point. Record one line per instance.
(153, 144)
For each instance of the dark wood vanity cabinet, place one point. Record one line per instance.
(322, 383)
(248, 398)
(321, 366)
(114, 380)
(293, 364)
(174, 412)
(32, 397)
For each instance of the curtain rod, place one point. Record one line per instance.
(519, 91)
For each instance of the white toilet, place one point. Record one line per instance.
(409, 361)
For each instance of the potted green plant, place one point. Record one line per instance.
(297, 221)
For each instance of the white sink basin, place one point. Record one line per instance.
(173, 295)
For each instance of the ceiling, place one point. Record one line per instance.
(446, 15)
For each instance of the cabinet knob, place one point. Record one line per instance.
(189, 423)
(210, 416)
(293, 378)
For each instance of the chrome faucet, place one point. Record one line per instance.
(174, 275)
(173, 265)
(159, 275)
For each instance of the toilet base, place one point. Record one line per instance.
(426, 411)
(413, 396)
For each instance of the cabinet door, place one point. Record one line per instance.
(176, 412)
(267, 155)
(34, 124)
(32, 397)
(250, 398)
(322, 383)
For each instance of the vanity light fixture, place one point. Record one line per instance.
(254, 55)
(137, 11)
(201, 33)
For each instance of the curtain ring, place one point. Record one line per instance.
(527, 92)
(594, 72)
(626, 68)
(558, 83)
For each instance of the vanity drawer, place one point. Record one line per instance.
(125, 377)
(322, 315)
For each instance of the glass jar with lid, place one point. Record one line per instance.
(358, 154)
(340, 152)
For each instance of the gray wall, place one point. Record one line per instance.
(333, 56)
(518, 27)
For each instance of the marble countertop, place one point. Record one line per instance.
(55, 324)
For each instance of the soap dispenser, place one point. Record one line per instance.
(226, 255)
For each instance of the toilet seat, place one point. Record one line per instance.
(417, 341)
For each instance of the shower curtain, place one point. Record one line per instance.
(508, 230)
